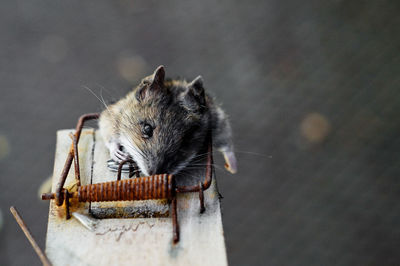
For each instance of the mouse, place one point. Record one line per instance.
(163, 124)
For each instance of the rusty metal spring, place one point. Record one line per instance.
(142, 188)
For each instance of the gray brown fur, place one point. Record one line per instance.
(180, 113)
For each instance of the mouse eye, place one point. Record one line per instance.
(147, 131)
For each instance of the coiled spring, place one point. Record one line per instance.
(142, 188)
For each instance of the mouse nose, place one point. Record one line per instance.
(156, 172)
(152, 172)
(158, 169)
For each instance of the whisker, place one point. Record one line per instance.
(133, 147)
(102, 101)
(202, 166)
(106, 90)
(200, 155)
(252, 153)
(190, 170)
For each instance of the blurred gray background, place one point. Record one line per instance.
(311, 87)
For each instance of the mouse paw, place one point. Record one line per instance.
(230, 161)
(117, 154)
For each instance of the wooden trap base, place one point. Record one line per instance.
(145, 239)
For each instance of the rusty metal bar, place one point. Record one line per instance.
(48, 196)
(201, 198)
(76, 161)
(135, 167)
(175, 224)
(68, 161)
(38, 250)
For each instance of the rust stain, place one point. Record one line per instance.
(184, 204)
(87, 132)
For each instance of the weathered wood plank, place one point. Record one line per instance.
(132, 241)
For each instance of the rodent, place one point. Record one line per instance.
(162, 125)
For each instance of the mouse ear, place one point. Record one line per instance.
(158, 77)
(152, 84)
(194, 97)
(196, 86)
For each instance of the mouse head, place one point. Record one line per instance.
(165, 123)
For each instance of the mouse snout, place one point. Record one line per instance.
(156, 172)
(152, 171)
(157, 169)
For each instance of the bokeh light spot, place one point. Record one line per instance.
(4, 147)
(315, 128)
(1, 220)
(131, 68)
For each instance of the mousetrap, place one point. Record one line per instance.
(101, 214)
